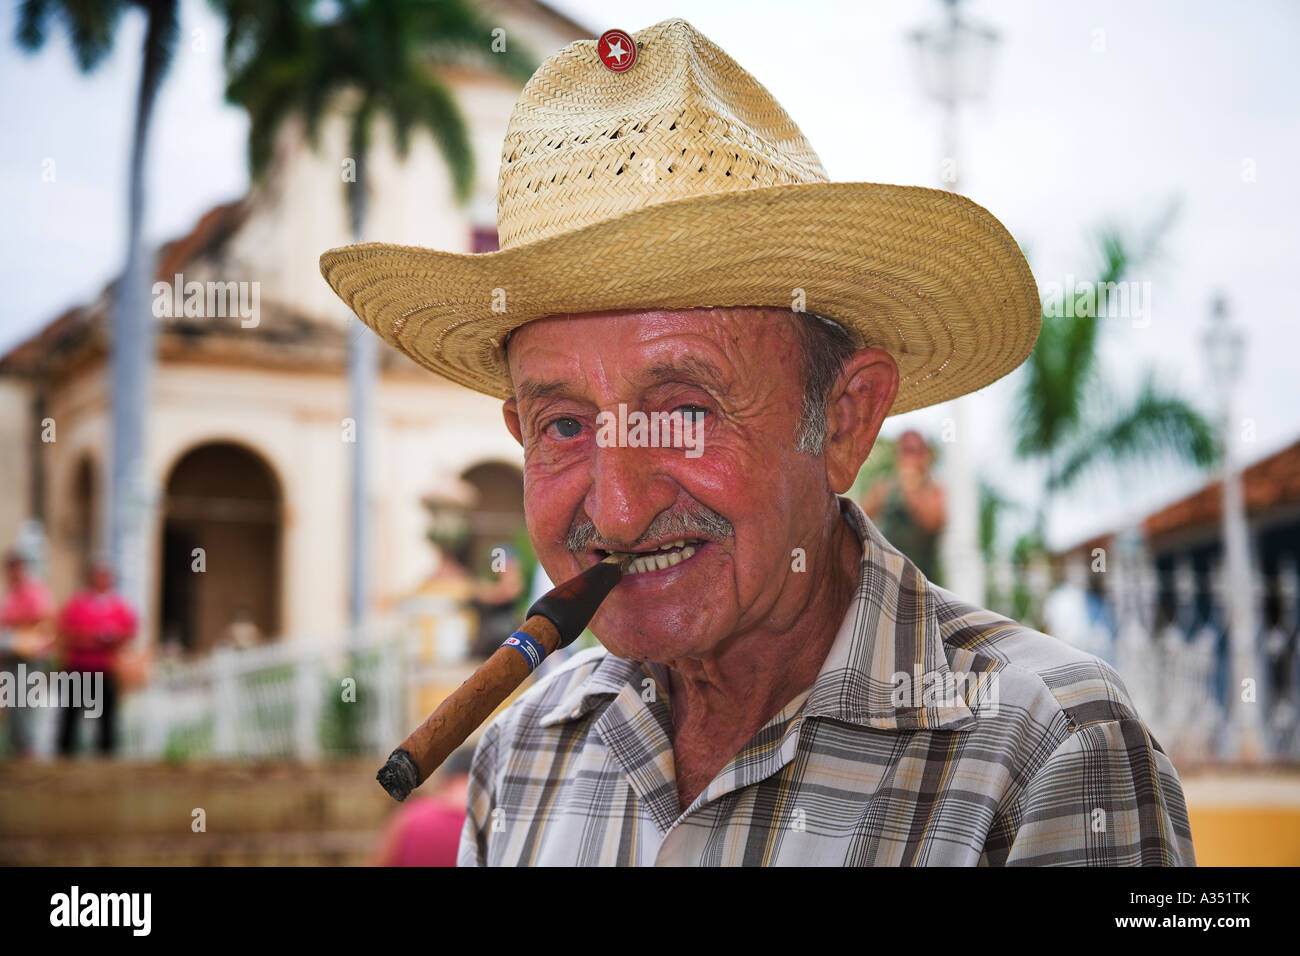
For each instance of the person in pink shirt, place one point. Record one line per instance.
(25, 638)
(426, 830)
(93, 626)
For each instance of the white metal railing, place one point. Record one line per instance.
(301, 697)
(1172, 655)
(289, 698)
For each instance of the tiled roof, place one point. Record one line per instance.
(1267, 484)
(293, 337)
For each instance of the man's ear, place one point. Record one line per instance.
(855, 409)
(510, 411)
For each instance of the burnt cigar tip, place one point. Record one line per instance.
(399, 775)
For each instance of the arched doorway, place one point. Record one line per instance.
(222, 529)
(498, 518)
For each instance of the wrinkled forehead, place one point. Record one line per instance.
(633, 322)
(703, 343)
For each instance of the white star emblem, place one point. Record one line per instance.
(616, 50)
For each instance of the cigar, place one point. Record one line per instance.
(555, 620)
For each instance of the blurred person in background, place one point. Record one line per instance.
(93, 626)
(241, 631)
(25, 638)
(426, 830)
(908, 506)
(496, 602)
(1075, 613)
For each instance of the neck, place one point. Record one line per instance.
(736, 690)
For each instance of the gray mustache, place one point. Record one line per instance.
(703, 523)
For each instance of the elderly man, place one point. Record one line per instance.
(777, 684)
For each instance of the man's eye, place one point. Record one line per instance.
(692, 412)
(565, 427)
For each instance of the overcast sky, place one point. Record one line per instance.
(1097, 112)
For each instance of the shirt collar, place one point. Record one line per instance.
(887, 652)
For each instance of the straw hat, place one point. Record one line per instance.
(681, 183)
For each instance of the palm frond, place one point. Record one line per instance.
(1157, 424)
(445, 122)
(282, 59)
(993, 504)
(91, 26)
(1062, 370)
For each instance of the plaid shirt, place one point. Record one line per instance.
(936, 733)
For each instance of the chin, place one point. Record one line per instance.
(647, 651)
(636, 638)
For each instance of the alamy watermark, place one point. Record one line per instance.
(38, 688)
(638, 429)
(1102, 300)
(945, 688)
(208, 300)
(77, 908)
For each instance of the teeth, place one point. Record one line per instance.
(658, 562)
(671, 545)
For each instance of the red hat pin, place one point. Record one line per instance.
(616, 50)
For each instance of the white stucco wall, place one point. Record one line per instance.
(294, 421)
(15, 458)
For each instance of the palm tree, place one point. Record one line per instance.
(283, 60)
(92, 28)
(1070, 418)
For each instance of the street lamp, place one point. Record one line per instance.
(1225, 350)
(954, 60)
(1225, 344)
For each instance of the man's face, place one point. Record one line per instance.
(913, 451)
(101, 578)
(745, 503)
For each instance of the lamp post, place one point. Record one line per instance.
(1224, 344)
(954, 60)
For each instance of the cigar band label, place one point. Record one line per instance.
(524, 644)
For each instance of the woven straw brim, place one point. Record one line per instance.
(928, 276)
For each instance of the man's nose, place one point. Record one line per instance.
(628, 490)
